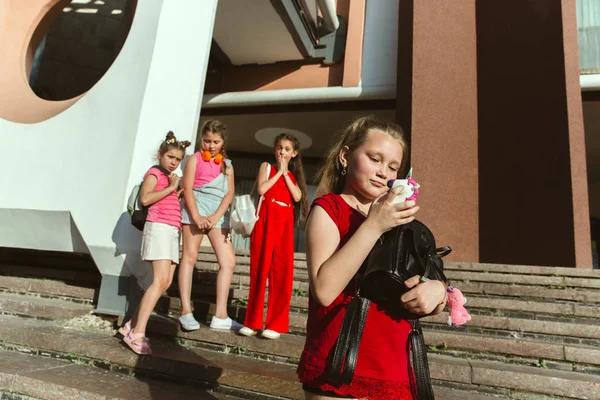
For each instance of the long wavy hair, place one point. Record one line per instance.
(295, 166)
(329, 178)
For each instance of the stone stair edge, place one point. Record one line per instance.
(559, 282)
(39, 307)
(189, 363)
(45, 378)
(290, 346)
(60, 309)
(531, 379)
(46, 287)
(443, 368)
(463, 265)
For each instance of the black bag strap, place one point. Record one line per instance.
(421, 386)
(345, 353)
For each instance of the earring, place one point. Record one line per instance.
(344, 171)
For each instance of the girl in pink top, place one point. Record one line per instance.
(208, 192)
(160, 240)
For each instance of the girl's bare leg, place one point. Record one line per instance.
(219, 239)
(192, 238)
(163, 277)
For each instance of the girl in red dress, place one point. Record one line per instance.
(283, 198)
(354, 209)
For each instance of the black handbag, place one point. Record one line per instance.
(398, 255)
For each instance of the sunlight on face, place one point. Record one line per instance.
(372, 164)
(171, 159)
(212, 142)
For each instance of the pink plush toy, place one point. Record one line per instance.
(458, 313)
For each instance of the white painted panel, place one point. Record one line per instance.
(380, 46)
(85, 160)
(252, 32)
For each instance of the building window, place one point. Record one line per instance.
(588, 23)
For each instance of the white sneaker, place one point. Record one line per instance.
(188, 322)
(247, 331)
(225, 324)
(269, 334)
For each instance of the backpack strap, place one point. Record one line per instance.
(346, 347)
(421, 385)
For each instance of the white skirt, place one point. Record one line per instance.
(160, 242)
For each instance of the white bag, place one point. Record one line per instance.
(243, 215)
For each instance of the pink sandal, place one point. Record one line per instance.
(125, 329)
(138, 346)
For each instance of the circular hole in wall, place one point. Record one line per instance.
(79, 47)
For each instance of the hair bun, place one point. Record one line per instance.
(170, 138)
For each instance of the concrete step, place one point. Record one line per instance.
(553, 354)
(39, 307)
(244, 373)
(573, 326)
(47, 287)
(495, 304)
(194, 366)
(51, 379)
(516, 378)
(558, 355)
(53, 259)
(523, 270)
(86, 278)
(243, 258)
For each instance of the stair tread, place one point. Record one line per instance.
(269, 377)
(243, 255)
(46, 287)
(168, 357)
(41, 307)
(42, 377)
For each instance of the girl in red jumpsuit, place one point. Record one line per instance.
(283, 198)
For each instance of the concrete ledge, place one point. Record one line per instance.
(50, 379)
(522, 269)
(168, 358)
(524, 279)
(551, 382)
(529, 291)
(46, 287)
(40, 307)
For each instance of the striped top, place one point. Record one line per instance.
(167, 210)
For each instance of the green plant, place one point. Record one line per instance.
(298, 292)
(559, 287)
(240, 302)
(71, 354)
(541, 364)
(236, 350)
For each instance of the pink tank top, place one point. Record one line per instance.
(206, 171)
(167, 210)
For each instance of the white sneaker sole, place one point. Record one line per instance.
(248, 334)
(188, 328)
(270, 336)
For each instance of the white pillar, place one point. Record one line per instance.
(172, 101)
